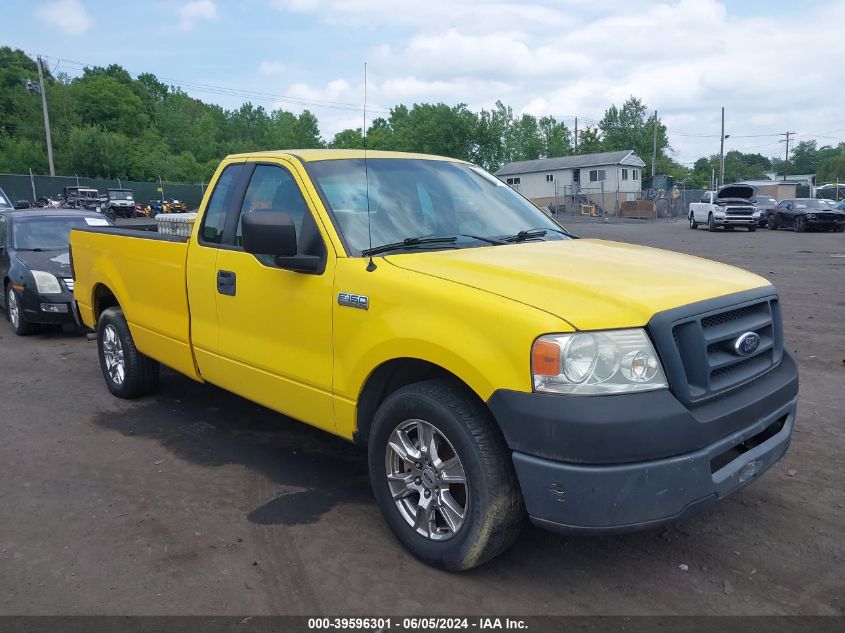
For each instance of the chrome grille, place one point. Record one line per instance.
(698, 348)
(69, 283)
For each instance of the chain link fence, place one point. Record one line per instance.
(32, 187)
(598, 202)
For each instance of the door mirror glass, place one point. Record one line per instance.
(269, 233)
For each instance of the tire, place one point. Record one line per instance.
(772, 223)
(466, 438)
(128, 373)
(14, 312)
(752, 228)
(711, 223)
(800, 224)
(692, 223)
(839, 228)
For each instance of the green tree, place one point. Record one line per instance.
(832, 169)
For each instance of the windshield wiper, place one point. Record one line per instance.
(415, 241)
(530, 234)
(408, 242)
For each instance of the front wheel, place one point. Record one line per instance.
(711, 223)
(839, 228)
(692, 223)
(800, 224)
(443, 477)
(14, 312)
(128, 372)
(772, 222)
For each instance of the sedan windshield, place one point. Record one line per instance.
(47, 234)
(810, 204)
(413, 199)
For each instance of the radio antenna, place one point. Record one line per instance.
(371, 266)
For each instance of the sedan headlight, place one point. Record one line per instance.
(46, 283)
(593, 363)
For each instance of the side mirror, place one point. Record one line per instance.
(274, 233)
(22, 204)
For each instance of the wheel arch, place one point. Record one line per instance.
(102, 297)
(390, 376)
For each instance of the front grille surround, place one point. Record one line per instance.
(696, 344)
(69, 283)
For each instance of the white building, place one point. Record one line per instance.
(607, 178)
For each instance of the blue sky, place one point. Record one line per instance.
(772, 64)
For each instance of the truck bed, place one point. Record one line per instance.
(146, 273)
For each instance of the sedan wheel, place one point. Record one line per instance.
(20, 325)
(427, 480)
(772, 222)
(800, 224)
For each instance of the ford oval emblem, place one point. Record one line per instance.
(747, 343)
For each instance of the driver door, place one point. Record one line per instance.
(275, 325)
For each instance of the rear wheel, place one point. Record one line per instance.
(443, 476)
(14, 312)
(128, 372)
(692, 223)
(711, 223)
(800, 224)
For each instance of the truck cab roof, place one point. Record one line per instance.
(312, 155)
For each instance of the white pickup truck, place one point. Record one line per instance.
(728, 207)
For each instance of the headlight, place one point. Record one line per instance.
(46, 283)
(592, 363)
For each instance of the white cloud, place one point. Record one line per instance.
(68, 16)
(271, 68)
(686, 58)
(196, 11)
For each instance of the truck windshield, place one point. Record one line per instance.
(46, 234)
(412, 198)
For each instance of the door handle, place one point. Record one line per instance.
(226, 282)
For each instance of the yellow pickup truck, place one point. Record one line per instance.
(494, 365)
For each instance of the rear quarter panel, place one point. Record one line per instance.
(147, 277)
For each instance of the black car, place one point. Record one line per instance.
(804, 214)
(766, 204)
(35, 265)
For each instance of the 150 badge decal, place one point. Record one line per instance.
(361, 302)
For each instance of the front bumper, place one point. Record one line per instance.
(736, 220)
(621, 463)
(47, 309)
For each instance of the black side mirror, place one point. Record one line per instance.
(274, 233)
(22, 204)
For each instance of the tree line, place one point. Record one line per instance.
(107, 124)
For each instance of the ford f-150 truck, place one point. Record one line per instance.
(494, 365)
(729, 207)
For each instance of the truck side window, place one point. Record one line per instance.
(272, 188)
(2, 232)
(218, 204)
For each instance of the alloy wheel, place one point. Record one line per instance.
(427, 480)
(113, 355)
(14, 310)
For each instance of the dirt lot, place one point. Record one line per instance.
(198, 502)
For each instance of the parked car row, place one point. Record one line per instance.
(114, 203)
(735, 206)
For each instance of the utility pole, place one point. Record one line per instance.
(654, 151)
(722, 151)
(786, 161)
(46, 118)
(576, 135)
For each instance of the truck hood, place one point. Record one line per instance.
(591, 284)
(734, 192)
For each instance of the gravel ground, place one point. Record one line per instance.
(198, 502)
